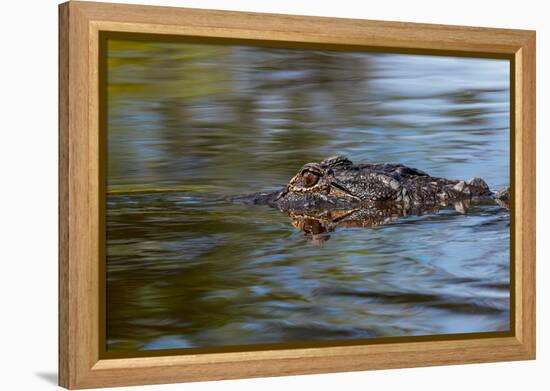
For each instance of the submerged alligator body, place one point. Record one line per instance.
(337, 192)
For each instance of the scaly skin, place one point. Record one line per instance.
(337, 183)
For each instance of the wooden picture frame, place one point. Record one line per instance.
(80, 209)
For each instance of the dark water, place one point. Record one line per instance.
(191, 125)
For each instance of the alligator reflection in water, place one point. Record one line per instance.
(317, 225)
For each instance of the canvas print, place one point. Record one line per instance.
(265, 196)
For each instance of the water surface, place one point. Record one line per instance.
(191, 125)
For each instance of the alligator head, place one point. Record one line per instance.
(335, 183)
(328, 184)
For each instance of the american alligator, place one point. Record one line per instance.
(337, 183)
(337, 192)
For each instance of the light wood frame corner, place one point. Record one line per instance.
(80, 23)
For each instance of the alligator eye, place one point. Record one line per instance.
(309, 178)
